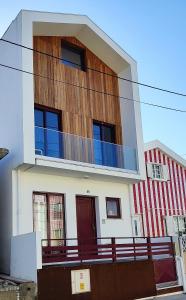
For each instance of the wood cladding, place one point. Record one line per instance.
(79, 106)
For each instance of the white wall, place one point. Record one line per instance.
(11, 133)
(31, 181)
(131, 115)
(26, 246)
(26, 256)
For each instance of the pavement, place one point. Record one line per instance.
(175, 296)
(170, 297)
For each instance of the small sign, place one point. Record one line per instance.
(80, 280)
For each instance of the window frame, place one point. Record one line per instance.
(118, 205)
(101, 125)
(46, 109)
(155, 171)
(47, 194)
(139, 219)
(176, 219)
(76, 49)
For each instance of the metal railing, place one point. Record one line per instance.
(52, 143)
(109, 249)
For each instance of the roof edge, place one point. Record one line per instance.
(157, 144)
(25, 11)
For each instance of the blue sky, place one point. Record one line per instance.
(154, 33)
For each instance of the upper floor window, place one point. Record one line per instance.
(105, 151)
(48, 139)
(158, 171)
(73, 56)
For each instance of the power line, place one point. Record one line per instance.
(92, 90)
(96, 70)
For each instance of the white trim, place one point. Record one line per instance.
(157, 144)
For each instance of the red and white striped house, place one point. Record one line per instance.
(160, 200)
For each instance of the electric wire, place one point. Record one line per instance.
(96, 70)
(92, 90)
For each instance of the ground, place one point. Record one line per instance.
(175, 297)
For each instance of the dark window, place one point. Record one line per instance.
(113, 207)
(105, 149)
(39, 120)
(73, 56)
(48, 138)
(52, 120)
(49, 217)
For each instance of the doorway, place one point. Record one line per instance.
(86, 220)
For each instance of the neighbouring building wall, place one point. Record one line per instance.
(158, 200)
(31, 181)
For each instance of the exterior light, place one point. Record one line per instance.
(3, 152)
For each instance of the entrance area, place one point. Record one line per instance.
(86, 220)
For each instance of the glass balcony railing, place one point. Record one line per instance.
(52, 143)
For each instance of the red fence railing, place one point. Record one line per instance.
(106, 249)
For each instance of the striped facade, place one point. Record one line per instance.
(154, 200)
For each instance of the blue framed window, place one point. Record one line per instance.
(48, 139)
(105, 149)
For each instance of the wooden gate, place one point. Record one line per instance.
(118, 281)
(120, 268)
(165, 264)
(165, 270)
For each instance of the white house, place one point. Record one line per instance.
(70, 170)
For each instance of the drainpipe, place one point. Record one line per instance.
(181, 264)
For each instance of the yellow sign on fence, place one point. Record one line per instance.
(80, 281)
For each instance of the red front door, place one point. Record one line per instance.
(86, 220)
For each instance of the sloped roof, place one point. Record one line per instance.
(84, 29)
(156, 144)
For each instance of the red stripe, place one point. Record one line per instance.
(175, 189)
(146, 209)
(151, 198)
(183, 187)
(140, 202)
(159, 211)
(179, 188)
(171, 189)
(154, 200)
(135, 199)
(161, 186)
(167, 190)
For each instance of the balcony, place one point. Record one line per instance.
(52, 143)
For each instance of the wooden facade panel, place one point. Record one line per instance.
(79, 106)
